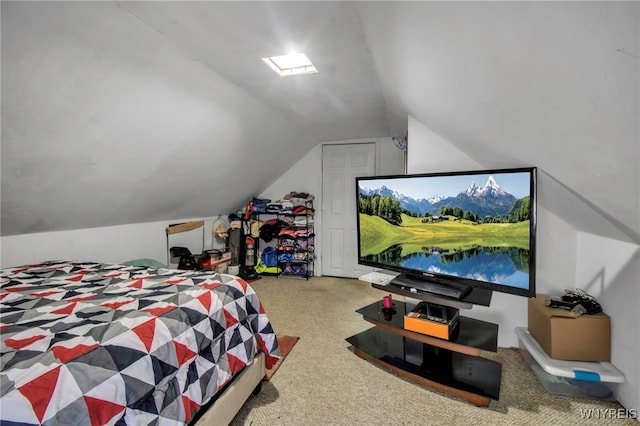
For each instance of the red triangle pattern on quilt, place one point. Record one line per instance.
(76, 278)
(136, 284)
(205, 300)
(21, 343)
(66, 310)
(210, 286)
(116, 305)
(145, 333)
(112, 274)
(82, 297)
(235, 363)
(190, 407)
(39, 391)
(230, 318)
(41, 293)
(243, 284)
(270, 360)
(183, 353)
(161, 310)
(13, 289)
(146, 276)
(101, 411)
(65, 354)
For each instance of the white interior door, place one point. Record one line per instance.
(341, 164)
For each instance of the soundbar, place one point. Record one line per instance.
(454, 291)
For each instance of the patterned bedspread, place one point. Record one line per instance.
(102, 344)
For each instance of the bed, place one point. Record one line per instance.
(110, 344)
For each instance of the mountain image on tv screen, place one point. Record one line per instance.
(474, 226)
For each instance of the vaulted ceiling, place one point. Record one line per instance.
(127, 112)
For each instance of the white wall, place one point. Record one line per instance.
(111, 244)
(389, 159)
(608, 270)
(566, 257)
(303, 176)
(430, 153)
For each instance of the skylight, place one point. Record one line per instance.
(291, 64)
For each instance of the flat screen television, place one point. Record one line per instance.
(459, 231)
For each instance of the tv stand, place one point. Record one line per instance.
(454, 366)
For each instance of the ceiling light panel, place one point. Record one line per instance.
(290, 64)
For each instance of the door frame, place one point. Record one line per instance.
(376, 143)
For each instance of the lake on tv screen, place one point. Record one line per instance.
(500, 265)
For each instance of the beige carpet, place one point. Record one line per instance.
(323, 383)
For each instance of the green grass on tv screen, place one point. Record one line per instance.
(376, 234)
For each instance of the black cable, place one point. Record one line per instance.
(581, 297)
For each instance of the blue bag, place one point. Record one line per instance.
(269, 256)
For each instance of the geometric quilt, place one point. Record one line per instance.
(105, 344)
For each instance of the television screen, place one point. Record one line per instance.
(474, 228)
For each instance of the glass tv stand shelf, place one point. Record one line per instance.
(454, 366)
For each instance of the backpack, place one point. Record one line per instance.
(269, 256)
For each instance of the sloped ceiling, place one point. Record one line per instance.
(548, 84)
(125, 112)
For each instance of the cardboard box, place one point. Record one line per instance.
(433, 320)
(564, 337)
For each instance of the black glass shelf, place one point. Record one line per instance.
(477, 296)
(471, 332)
(451, 369)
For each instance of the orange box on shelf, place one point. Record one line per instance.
(433, 320)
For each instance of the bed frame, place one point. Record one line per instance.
(227, 405)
